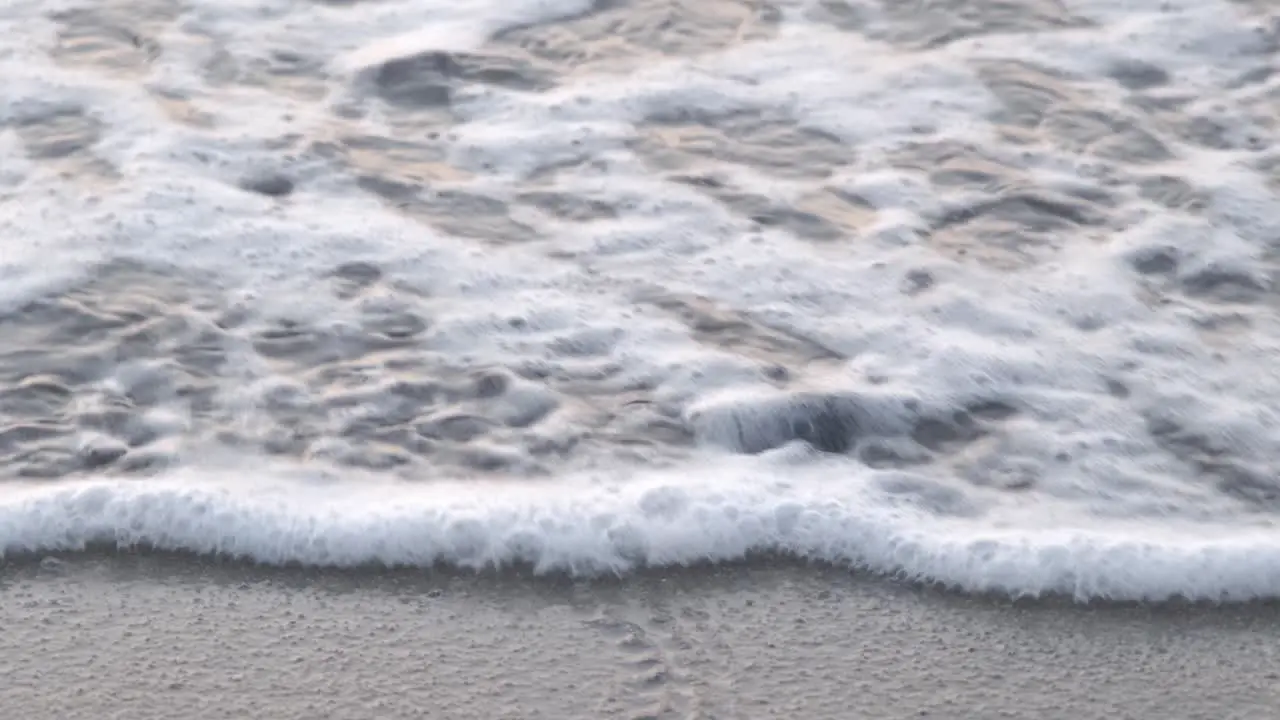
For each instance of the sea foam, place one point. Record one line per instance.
(1018, 290)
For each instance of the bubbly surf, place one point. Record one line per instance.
(983, 304)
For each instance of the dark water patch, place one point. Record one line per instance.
(121, 360)
(398, 193)
(774, 145)
(950, 432)
(1256, 76)
(289, 340)
(1135, 74)
(285, 71)
(357, 276)
(824, 423)
(108, 308)
(59, 134)
(917, 281)
(455, 427)
(882, 431)
(1221, 326)
(849, 423)
(435, 419)
(1160, 101)
(1105, 133)
(1026, 91)
(960, 174)
(1117, 389)
(63, 138)
(1224, 284)
(892, 453)
(138, 367)
(1256, 486)
(925, 24)
(119, 419)
(1048, 101)
(431, 79)
(842, 15)
(1237, 477)
(944, 434)
(1017, 227)
(40, 463)
(1174, 193)
(827, 422)
(616, 35)
(1155, 261)
(113, 36)
(832, 214)
(273, 185)
(1269, 166)
(1208, 132)
(766, 212)
(100, 453)
(13, 437)
(568, 206)
(36, 396)
(289, 63)
(950, 164)
(928, 494)
(995, 464)
(738, 333)
(471, 215)
(452, 210)
(1033, 210)
(393, 326)
(647, 423)
(418, 158)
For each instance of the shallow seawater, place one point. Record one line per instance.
(980, 293)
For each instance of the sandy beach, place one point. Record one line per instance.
(166, 637)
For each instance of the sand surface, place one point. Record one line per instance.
(162, 637)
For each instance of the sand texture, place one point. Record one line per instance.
(163, 637)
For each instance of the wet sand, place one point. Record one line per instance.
(166, 637)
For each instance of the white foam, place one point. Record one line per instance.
(1111, 513)
(589, 526)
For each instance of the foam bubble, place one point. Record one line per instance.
(585, 527)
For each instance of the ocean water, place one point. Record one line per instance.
(975, 292)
